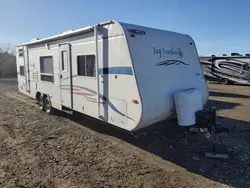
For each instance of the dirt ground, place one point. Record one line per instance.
(38, 150)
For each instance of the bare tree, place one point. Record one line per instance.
(5, 48)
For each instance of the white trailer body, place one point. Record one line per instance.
(139, 70)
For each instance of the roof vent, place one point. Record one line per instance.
(68, 31)
(35, 39)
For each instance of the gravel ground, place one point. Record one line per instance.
(38, 150)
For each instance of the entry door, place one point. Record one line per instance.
(245, 73)
(26, 68)
(66, 76)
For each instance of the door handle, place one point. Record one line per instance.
(60, 76)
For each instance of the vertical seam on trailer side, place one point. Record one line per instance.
(28, 68)
(128, 47)
(197, 55)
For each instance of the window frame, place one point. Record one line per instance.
(20, 52)
(47, 74)
(62, 61)
(82, 76)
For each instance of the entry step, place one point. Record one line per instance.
(67, 110)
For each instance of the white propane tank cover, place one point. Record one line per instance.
(187, 103)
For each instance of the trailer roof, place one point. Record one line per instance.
(65, 34)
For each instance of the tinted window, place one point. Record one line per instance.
(46, 68)
(246, 66)
(22, 70)
(64, 61)
(20, 52)
(86, 65)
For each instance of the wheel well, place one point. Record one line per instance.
(38, 94)
(44, 96)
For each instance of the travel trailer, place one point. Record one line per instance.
(227, 69)
(126, 75)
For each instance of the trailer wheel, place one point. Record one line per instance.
(40, 102)
(224, 81)
(47, 106)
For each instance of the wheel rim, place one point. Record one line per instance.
(224, 81)
(40, 102)
(47, 106)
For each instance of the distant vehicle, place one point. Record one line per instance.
(123, 74)
(235, 54)
(229, 69)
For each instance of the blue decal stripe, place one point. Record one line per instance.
(102, 97)
(116, 70)
(170, 62)
(80, 87)
(111, 70)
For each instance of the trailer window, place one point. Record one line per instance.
(46, 68)
(64, 61)
(20, 52)
(86, 65)
(246, 66)
(21, 70)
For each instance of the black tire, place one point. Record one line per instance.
(40, 102)
(224, 81)
(47, 106)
